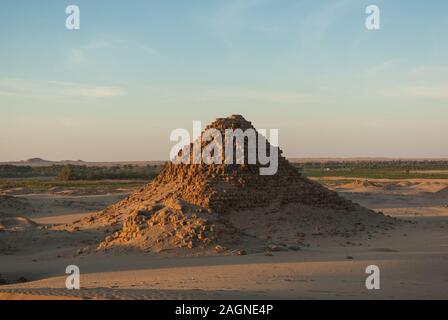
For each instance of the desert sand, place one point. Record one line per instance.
(224, 232)
(413, 260)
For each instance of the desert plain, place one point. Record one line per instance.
(412, 256)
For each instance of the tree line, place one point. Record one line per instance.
(77, 172)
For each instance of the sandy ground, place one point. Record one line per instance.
(413, 258)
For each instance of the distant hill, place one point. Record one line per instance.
(38, 162)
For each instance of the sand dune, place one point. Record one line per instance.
(413, 260)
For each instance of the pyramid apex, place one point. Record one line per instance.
(237, 116)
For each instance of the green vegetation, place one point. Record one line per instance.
(77, 176)
(67, 174)
(44, 185)
(71, 172)
(11, 171)
(374, 174)
(74, 172)
(377, 169)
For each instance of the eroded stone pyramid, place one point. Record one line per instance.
(223, 187)
(203, 205)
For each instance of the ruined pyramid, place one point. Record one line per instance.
(223, 187)
(200, 206)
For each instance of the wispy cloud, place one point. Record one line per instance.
(379, 70)
(80, 54)
(45, 89)
(395, 79)
(226, 94)
(314, 26)
(242, 94)
(231, 18)
(93, 92)
(75, 57)
(439, 91)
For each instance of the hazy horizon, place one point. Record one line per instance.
(379, 158)
(136, 70)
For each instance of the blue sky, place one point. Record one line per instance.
(136, 70)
